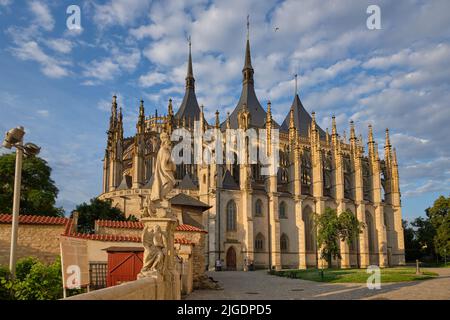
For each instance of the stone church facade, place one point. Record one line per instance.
(267, 220)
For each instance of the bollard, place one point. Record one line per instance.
(417, 267)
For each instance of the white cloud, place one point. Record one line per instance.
(43, 16)
(152, 79)
(121, 12)
(43, 113)
(109, 67)
(50, 66)
(60, 45)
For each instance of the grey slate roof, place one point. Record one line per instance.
(187, 183)
(302, 119)
(182, 199)
(228, 181)
(189, 108)
(248, 97)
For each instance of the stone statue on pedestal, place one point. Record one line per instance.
(155, 251)
(163, 178)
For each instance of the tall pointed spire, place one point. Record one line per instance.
(140, 126)
(248, 71)
(296, 88)
(217, 119)
(190, 73)
(189, 107)
(248, 96)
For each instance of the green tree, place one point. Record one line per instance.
(440, 219)
(412, 247)
(38, 192)
(96, 209)
(424, 235)
(331, 229)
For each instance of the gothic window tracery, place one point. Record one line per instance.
(327, 168)
(348, 186)
(366, 179)
(306, 172)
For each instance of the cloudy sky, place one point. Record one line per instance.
(58, 83)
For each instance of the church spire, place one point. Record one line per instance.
(190, 73)
(248, 71)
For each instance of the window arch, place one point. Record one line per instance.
(231, 216)
(370, 232)
(258, 208)
(282, 210)
(284, 243)
(259, 242)
(310, 239)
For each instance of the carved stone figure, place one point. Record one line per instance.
(164, 179)
(155, 250)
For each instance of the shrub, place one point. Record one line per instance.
(34, 281)
(5, 284)
(41, 282)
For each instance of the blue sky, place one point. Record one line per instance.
(58, 83)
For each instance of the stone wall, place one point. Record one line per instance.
(143, 289)
(119, 231)
(198, 254)
(40, 241)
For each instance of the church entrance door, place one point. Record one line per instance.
(231, 259)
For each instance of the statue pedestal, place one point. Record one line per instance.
(169, 287)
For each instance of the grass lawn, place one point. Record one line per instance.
(356, 275)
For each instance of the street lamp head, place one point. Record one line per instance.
(13, 136)
(31, 149)
(6, 144)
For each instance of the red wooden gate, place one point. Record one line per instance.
(124, 264)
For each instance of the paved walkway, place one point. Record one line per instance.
(258, 285)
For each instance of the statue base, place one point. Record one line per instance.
(169, 286)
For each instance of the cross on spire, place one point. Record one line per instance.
(296, 90)
(248, 26)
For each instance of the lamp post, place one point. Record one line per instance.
(14, 138)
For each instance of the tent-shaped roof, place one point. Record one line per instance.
(302, 119)
(189, 109)
(248, 97)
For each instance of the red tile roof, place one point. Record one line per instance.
(30, 219)
(139, 225)
(119, 224)
(189, 228)
(104, 237)
(183, 241)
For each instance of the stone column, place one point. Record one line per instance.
(168, 283)
(360, 205)
(274, 223)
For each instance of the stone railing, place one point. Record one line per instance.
(142, 289)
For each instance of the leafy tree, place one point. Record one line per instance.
(424, 235)
(331, 229)
(440, 219)
(412, 246)
(96, 209)
(38, 192)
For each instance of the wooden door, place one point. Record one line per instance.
(231, 259)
